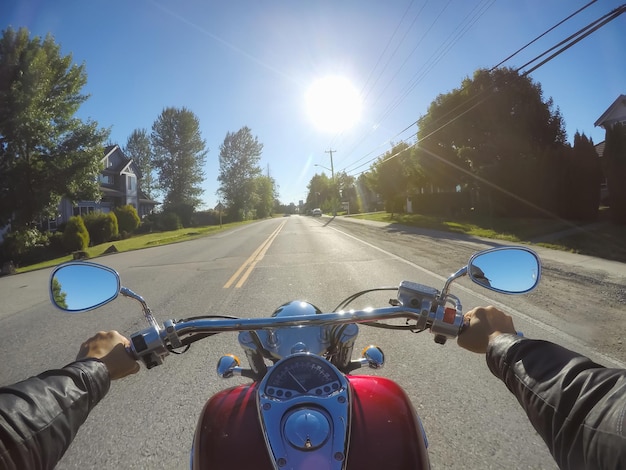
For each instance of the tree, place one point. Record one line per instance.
(320, 193)
(45, 152)
(139, 150)
(615, 164)
(239, 167)
(348, 192)
(394, 175)
(265, 196)
(58, 294)
(179, 156)
(579, 180)
(368, 198)
(498, 134)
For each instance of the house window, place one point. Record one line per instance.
(105, 179)
(131, 182)
(83, 210)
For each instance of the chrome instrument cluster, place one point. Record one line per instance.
(302, 375)
(304, 409)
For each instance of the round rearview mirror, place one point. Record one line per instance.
(81, 286)
(510, 270)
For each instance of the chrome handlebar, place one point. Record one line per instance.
(154, 343)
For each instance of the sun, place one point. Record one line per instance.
(333, 104)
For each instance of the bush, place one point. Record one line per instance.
(147, 226)
(75, 236)
(127, 218)
(183, 211)
(204, 218)
(169, 221)
(17, 246)
(55, 243)
(102, 227)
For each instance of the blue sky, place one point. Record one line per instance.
(249, 63)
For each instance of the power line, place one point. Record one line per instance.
(542, 35)
(468, 21)
(566, 43)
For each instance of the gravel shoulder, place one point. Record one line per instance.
(581, 296)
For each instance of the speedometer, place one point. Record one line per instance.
(302, 375)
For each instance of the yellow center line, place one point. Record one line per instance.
(251, 262)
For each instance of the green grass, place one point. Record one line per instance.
(138, 242)
(603, 240)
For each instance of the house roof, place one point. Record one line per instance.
(616, 110)
(146, 200)
(600, 148)
(111, 192)
(123, 164)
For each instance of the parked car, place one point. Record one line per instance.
(317, 212)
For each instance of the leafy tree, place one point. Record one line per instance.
(347, 191)
(615, 163)
(395, 175)
(368, 198)
(58, 294)
(265, 196)
(320, 193)
(179, 156)
(45, 152)
(497, 133)
(139, 150)
(239, 167)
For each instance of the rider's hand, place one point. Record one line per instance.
(484, 324)
(110, 348)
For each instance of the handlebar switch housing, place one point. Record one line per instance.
(148, 346)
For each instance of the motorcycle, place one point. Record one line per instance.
(304, 408)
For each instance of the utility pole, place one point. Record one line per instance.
(332, 168)
(332, 174)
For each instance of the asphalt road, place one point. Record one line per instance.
(148, 420)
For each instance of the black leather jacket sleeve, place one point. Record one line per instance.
(577, 406)
(40, 416)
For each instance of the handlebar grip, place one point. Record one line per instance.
(131, 352)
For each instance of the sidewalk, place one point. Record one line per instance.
(615, 271)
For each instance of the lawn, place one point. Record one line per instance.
(137, 242)
(601, 239)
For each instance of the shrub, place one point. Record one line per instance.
(204, 218)
(75, 236)
(55, 243)
(101, 227)
(183, 211)
(169, 221)
(18, 245)
(127, 218)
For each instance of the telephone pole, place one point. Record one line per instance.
(332, 174)
(332, 168)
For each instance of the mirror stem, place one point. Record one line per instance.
(446, 287)
(147, 313)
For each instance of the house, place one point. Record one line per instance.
(616, 113)
(120, 184)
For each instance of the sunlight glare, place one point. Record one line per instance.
(333, 104)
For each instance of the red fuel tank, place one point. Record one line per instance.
(385, 430)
